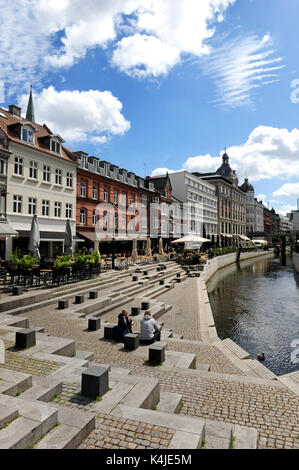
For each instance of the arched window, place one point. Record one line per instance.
(83, 189)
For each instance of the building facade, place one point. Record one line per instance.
(201, 204)
(286, 225)
(128, 198)
(41, 180)
(231, 202)
(254, 211)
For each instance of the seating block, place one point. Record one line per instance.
(135, 311)
(93, 294)
(110, 331)
(157, 353)
(135, 278)
(162, 282)
(25, 338)
(145, 305)
(17, 290)
(131, 341)
(95, 381)
(79, 299)
(94, 323)
(62, 304)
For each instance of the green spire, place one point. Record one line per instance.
(30, 108)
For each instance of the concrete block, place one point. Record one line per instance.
(145, 305)
(62, 304)
(93, 294)
(79, 299)
(185, 440)
(135, 311)
(145, 273)
(156, 353)
(145, 394)
(178, 275)
(17, 290)
(25, 339)
(94, 323)
(110, 331)
(162, 282)
(131, 341)
(135, 278)
(95, 381)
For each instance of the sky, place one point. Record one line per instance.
(157, 85)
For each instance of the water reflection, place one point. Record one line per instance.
(256, 304)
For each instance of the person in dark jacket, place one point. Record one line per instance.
(124, 325)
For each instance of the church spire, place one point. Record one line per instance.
(30, 108)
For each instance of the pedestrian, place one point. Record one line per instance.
(149, 329)
(124, 325)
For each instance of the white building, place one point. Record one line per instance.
(254, 210)
(294, 217)
(41, 180)
(285, 224)
(202, 203)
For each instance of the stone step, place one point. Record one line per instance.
(145, 394)
(7, 414)
(189, 432)
(261, 371)
(218, 435)
(244, 437)
(235, 349)
(186, 361)
(170, 402)
(73, 427)
(43, 389)
(291, 381)
(35, 420)
(87, 355)
(17, 382)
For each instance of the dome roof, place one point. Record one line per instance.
(225, 169)
(247, 186)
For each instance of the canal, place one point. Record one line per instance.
(256, 304)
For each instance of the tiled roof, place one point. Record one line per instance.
(42, 131)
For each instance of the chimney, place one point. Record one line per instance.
(14, 110)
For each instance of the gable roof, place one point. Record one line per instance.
(8, 123)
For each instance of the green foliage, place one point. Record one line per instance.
(63, 262)
(22, 262)
(225, 251)
(80, 260)
(94, 258)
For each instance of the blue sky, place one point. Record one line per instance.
(164, 84)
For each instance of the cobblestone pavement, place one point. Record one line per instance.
(116, 433)
(183, 318)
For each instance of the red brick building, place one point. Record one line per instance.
(100, 182)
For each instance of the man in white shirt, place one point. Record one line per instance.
(149, 329)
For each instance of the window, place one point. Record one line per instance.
(18, 167)
(58, 177)
(3, 167)
(17, 204)
(95, 193)
(33, 170)
(46, 174)
(144, 221)
(31, 206)
(55, 146)
(124, 200)
(144, 201)
(106, 195)
(132, 199)
(27, 136)
(124, 221)
(115, 221)
(69, 180)
(94, 217)
(115, 197)
(105, 219)
(57, 209)
(45, 208)
(83, 189)
(82, 216)
(68, 211)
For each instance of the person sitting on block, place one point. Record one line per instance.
(149, 330)
(124, 325)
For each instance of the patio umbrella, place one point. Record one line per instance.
(190, 239)
(148, 251)
(161, 249)
(68, 238)
(34, 238)
(134, 250)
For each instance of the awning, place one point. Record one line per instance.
(47, 236)
(228, 235)
(6, 230)
(243, 237)
(92, 237)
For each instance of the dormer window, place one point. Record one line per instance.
(27, 136)
(55, 146)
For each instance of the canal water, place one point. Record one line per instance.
(256, 304)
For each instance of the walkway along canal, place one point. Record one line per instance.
(256, 304)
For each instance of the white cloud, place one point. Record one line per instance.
(285, 209)
(288, 190)
(80, 115)
(241, 65)
(161, 171)
(142, 55)
(268, 153)
(261, 197)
